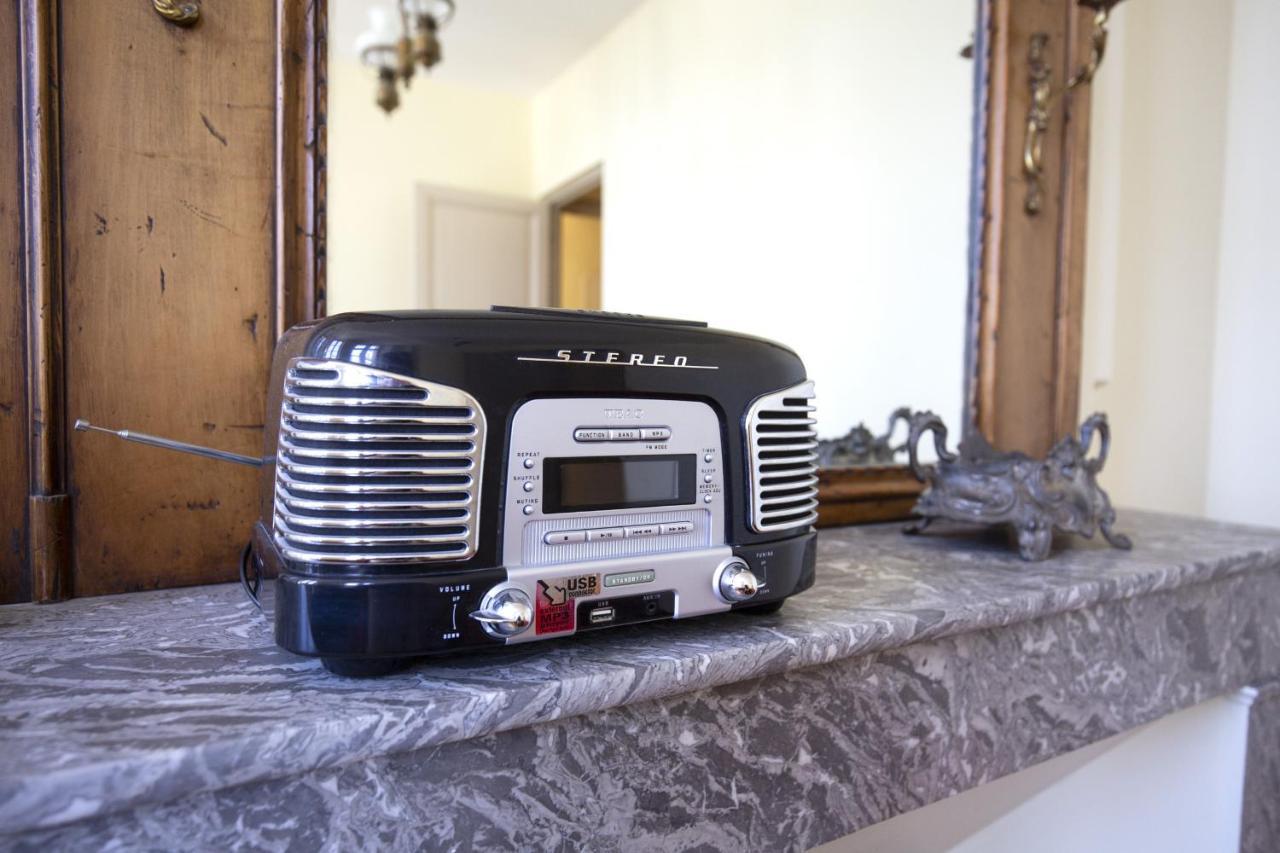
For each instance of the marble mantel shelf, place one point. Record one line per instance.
(915, 668)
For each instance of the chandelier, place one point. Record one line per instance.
(396, 52)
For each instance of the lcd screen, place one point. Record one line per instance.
(584, 484)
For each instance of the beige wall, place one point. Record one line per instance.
(442, 134)
(1244, 456)
(800, 174)
(1183, 278)
(1155, 204)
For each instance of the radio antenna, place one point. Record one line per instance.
(169, 444)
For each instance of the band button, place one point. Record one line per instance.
(624, 435)
(587, 434)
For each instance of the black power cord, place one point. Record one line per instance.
(250, 586)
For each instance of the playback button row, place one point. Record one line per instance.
(639, 531)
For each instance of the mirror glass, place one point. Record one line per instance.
(796, 171)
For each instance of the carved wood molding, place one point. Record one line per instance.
(48, 512)
(865, 495)
(1023, 367)
(301, 148)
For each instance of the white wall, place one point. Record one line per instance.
(1183, 279)
(442, 134)
(1155, 200)
(1244, 456)
(801, 175)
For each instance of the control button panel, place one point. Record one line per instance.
(639, 531)
(594, 434)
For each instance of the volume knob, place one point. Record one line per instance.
(504, 612)
(735, 582)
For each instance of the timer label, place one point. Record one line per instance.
(554, 610)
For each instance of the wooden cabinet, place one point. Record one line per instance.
(178, 233)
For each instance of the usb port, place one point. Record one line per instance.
(601, 615)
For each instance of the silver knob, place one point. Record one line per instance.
(504, 612)
(736, 582)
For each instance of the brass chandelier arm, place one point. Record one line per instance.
(1044, 98)
(184, 13)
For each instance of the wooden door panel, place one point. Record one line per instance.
(168, 175)
(475, 250)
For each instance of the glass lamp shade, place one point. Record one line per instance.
(440, 11)
(376, 46)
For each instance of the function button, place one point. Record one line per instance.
(677, 527)
(642, 530)
(655, 433)
(604, 533)
(565, 537)
(528, 463)
(590, 434)
(624, 435)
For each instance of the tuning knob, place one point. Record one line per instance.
(735, 582)
(504, 612)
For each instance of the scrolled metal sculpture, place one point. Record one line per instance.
(860, 446)
(980, 485)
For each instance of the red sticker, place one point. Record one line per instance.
(556, 606)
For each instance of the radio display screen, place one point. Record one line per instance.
(587, 483)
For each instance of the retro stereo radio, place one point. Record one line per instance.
(449, 480)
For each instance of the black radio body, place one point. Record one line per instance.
(437, 481)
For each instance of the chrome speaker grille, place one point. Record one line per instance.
(374, 467)
(783, 454)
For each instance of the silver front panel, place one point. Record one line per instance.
(684, 562)
(544, 429)
(691, 574)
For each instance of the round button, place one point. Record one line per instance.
(707, 457)
(528, 486)
(706, 499)
(707, 478)
(528, 463)
(735, 582)
(528, 510)
(504, 612)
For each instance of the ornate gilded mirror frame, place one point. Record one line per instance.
(1026, 267)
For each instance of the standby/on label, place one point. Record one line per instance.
(555, 608)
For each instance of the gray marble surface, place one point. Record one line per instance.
(915, 668)
(1260, 821)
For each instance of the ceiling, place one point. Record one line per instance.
(514, 46)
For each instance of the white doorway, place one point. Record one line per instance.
(475, 250)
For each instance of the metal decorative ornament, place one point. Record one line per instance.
(860, 446)
(1034, 497)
